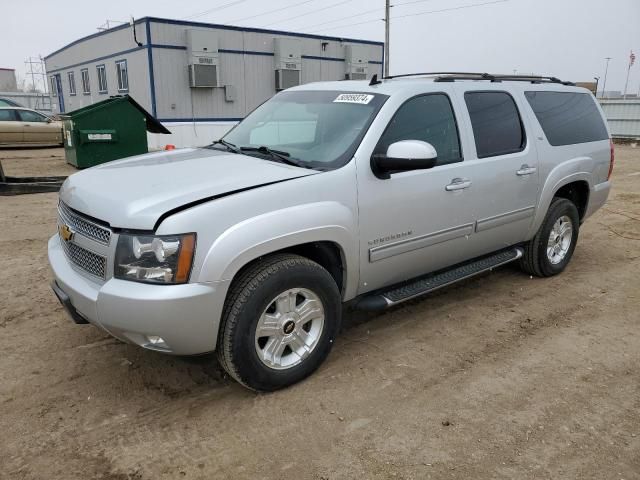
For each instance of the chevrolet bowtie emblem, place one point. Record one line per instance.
(65, 232)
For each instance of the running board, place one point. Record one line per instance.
(429, 283)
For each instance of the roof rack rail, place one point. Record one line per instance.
(453, 76)
(431, 74)
(507, 78)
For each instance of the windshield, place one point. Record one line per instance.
(316, 129)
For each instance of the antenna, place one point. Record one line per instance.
(132, 22)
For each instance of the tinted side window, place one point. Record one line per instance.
(568, 118)
(7, 116)
(28, 116)
(428, 118)
(496, 123)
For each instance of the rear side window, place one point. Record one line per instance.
(428, 118)
(7, 116)
(28, 116)
(496, 123)
(568, 118)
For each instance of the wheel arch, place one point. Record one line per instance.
(578, 193)
(323, 233)
(574, 186)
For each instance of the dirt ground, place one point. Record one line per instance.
(501, 377)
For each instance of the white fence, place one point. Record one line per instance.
(623, 117)
(36, 101)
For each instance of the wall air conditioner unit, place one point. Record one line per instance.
(288, 62)
(203, 60)
(356, 62)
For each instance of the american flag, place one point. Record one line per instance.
(632, 58)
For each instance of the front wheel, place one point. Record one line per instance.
(280, 321)
(549, 252)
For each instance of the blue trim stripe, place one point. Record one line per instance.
(93, 35)
(260, 30)
(170, 47)
(106, 57)
(245, 52)
(329, 59)
(180, 47)
(147, 20)
(152, 82)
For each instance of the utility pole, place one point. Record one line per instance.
(387, 21)
(604, 83)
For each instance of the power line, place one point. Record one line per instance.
(308, 13)
(450, 9)
(367, 12)
(361, 14)
(206, 12)
(271, 11)
(410, 3)
(462, 7)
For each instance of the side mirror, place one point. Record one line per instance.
(49, 120)
(404, 156)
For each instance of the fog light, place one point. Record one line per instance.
(156, 342)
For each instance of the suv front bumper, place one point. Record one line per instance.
(185, 317)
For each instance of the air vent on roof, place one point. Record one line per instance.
(202, 51)
(288, 62)
(356, 62)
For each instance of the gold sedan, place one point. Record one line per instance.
(22, 126)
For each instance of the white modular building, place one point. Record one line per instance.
(200, 79)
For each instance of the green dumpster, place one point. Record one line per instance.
(108, 130)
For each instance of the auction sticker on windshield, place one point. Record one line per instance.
(361, 98)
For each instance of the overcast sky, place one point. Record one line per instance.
(565, 38)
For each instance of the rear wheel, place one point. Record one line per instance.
(280, 320)
(549, 252)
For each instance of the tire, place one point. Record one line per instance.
(257, 302)
(537, 260)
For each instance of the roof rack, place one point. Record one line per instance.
(453, 76)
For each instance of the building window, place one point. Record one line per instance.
(102, 79)
(86, 85)
(72, 83)
(123, 76)
(54, 85)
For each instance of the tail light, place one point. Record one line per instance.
(611, 159)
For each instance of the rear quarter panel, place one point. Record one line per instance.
(561, 165)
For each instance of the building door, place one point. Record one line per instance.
(57, 90)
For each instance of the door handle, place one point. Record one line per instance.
(526, 170)
(458, 184)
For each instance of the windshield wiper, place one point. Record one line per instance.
(280, 155)
(228, 145)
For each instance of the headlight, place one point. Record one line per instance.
(155, 258)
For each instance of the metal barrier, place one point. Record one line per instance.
(623, 116)
(35, 101)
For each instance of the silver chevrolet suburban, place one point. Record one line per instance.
(369, 193)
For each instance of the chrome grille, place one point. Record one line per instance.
(83, 226)
(86, 260)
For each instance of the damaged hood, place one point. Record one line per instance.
(135, 192)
